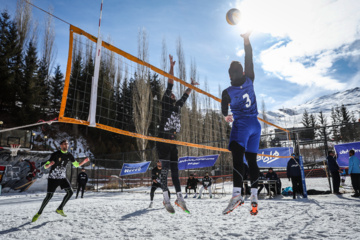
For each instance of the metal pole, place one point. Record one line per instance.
(326, 153)
(302, 169)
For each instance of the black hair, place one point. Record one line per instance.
(63, 141)
(235, 71)
(352, 151)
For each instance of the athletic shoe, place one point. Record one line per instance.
(199, 197)
(181, 203)
(356, 195)
(61, 212)
(210, 196)
(234, 203)
(151, 205)
(185, 196)
(254, 205)
(35, 217)
(194, 196)
(169, 207)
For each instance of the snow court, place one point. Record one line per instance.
(126, 216)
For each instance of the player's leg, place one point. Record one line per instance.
(69, 192)
(238, 172)
(83, 186)
(78, 190)
(52, 185)
(251, 158)
(163, 150)
(180, 202)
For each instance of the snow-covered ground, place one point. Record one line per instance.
(116, 215)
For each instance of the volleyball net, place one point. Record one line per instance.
(124, 96)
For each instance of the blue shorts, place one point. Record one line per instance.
(246, 132)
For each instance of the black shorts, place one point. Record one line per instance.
(167, 151)
(54, 183)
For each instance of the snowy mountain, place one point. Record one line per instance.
(289, 117)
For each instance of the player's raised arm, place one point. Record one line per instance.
(171, 72)
(182, 100)
(249, 65)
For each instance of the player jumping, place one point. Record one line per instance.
(57, 177)
(168, 153)
(246, 129)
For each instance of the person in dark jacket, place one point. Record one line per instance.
(294, 173)
(334, 170)
(206, 184)
(156, 182)
(82, 179)
(271, 175)
(191, 184)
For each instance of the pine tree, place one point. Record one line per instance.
(56, 88)
(345, 115)
(306, 119)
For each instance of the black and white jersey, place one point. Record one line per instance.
(58, 170)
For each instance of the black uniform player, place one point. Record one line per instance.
(168, 153)
(57, 177)
(206, 184)
(156, 182)
(191, 184)
(82, 180)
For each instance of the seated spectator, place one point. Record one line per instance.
(206, 184)
(191, 185)
(271, 175)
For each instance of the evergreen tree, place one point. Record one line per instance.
(43, 87)
(345, 114)
(28, 88)
(306, 119)
(56, 88)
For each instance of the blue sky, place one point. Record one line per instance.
(302, 49)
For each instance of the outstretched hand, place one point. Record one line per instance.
(172, 63)
(246, 35)
(193, 82)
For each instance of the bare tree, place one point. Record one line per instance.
(164, 60)
(23, 20)
(49, 39)
(142, 97)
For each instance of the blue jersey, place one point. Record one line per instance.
(243, 100)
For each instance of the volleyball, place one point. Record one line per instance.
(233, 16)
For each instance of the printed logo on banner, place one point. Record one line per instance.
(342, 152)
(134, 168)
(197, 162)
(266, 162)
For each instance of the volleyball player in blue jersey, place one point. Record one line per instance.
(246, 129)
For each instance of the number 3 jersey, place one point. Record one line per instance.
(58, 170)
(242, 100)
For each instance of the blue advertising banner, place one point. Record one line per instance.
(197, 162)
(342, 152)
(134, 168)
(266, 162)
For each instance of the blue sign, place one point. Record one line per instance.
(197, 162)
(342, 152)
(134, 168)
(266, 162)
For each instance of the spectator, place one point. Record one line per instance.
(334, 170)
(191, 184)
(271, 175)
(354, 171)
(294, 173)
(82, 180)
(206, 184)
(156, 182)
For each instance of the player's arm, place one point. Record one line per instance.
(77, 164)
(249, 65)
(225, 101)
(185, 96)
(171, 72)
